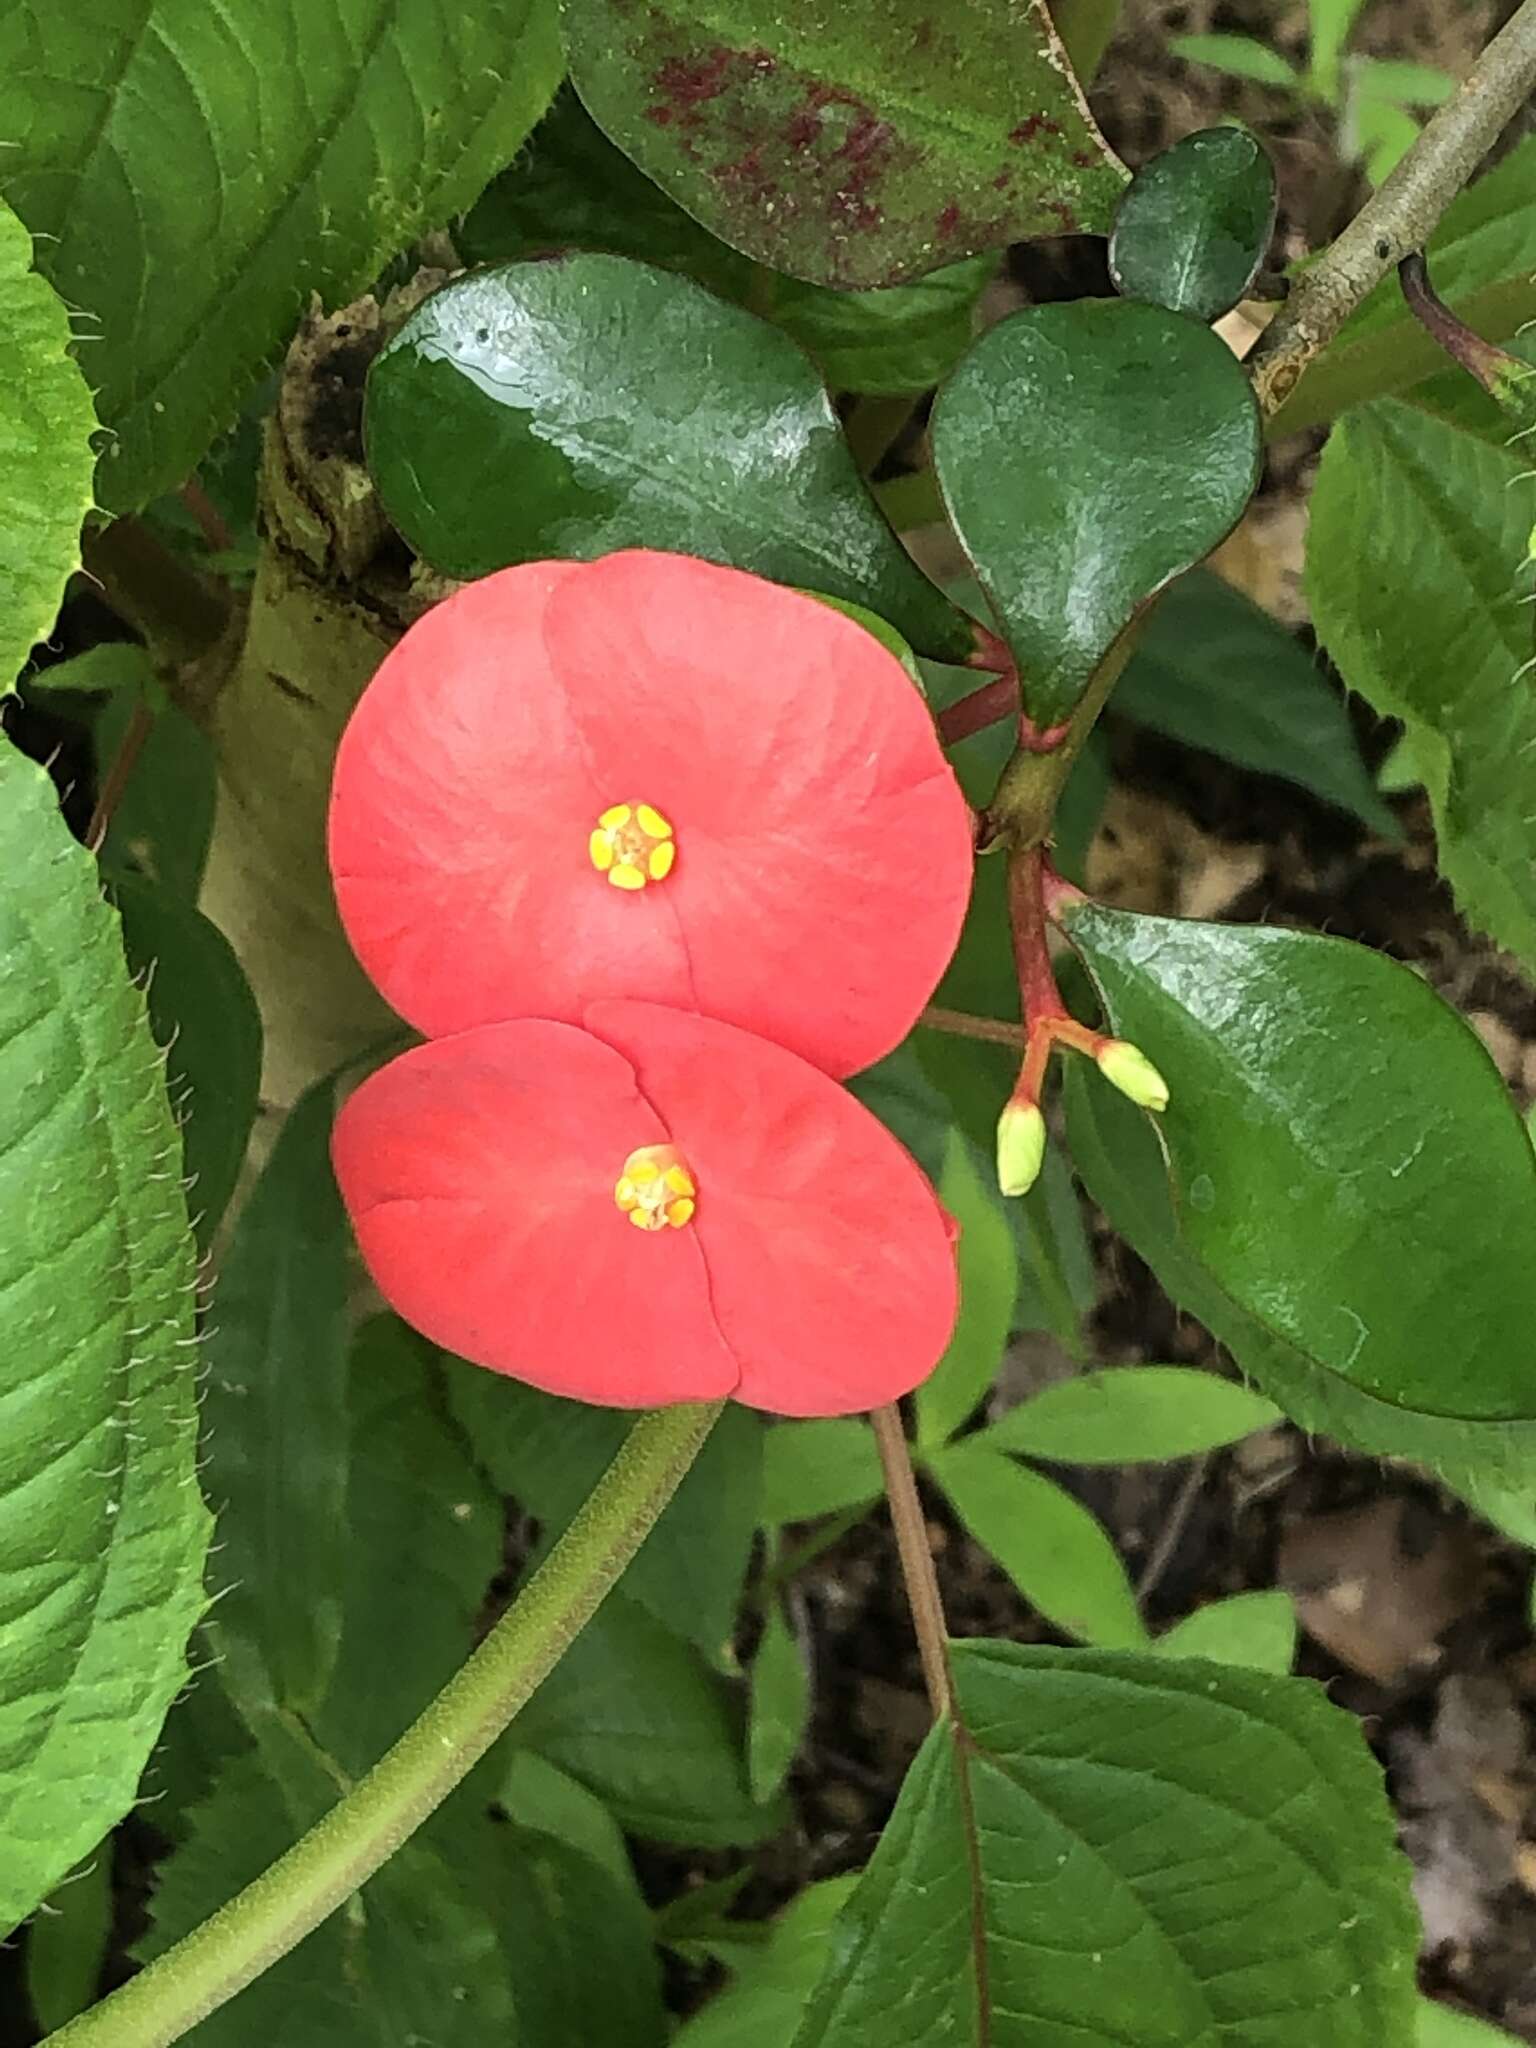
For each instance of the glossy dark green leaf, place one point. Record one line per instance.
(1160, 1845)
(572, 189)
(1214, 670)
(275, 1407)
(1429, 626)
(103, 1532)
(1056, 1553)
(203, 1014)
(1116, 1151)
(586, 403)
(817, 1468)
(1122, 1414)
(1345, 1158)
(798, 137)
(1088, 453)
(633, 1714)
(549, 1453)
(1194, 223)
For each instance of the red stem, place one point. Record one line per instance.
(978, 709)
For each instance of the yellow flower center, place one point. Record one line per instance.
(632, 844)
(655, 1189)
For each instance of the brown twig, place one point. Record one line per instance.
(961, 1024)
(912, 1547)
(1402, 215)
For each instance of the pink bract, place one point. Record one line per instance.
(814, 1274)
(821, 848)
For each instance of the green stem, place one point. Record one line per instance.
(341, 1852)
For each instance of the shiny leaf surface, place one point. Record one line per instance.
(1195, 222)
(1344, 1156)
(1088, 453)
(588, 403)
(797, 137)
(1158, 1843)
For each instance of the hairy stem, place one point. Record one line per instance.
(1402, 215)
(917, 1570)
(323, 1870)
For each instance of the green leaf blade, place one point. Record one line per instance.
(102, 1530)
(192, 175)
(1453, 515)
(1344, 1156)
(46, 423)
(713, 437)
(1159, 1844)
(1194, 224)
(989, 1287)
(799, 138)
(1122, 1414)
(1089, 453)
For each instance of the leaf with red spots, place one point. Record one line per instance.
(850, 142)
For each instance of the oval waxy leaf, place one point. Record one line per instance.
(102, 1529)
(46, 423)
(1141, 1850)
(1195, 222)
(1089, 453)
(796, 134)
(588, 403)
(1345, 1159)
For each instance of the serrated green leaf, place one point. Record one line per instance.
(1123, 1414)
(1132, 446)
(573, 189)
(1214, 670)
(1483, 260)
(764, 2002)
(102, 1529)
(203, 1015)
(192, 175)
(1194, 224)
(1115, 1149)
(989, 1285)
(780, 1705)
(797, 137)
(1332, 1131)
(632, 1713)
(1238, 57)
(1428, 625)
(818, 1468)
(277, 1426)
(549, 1453)
(1054, 1551)
(46, 423)
(164, 818)
(1161, 1847)
(587, 403)
(1256, 1630)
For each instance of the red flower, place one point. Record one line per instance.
(788, 1251)
(648, 776)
